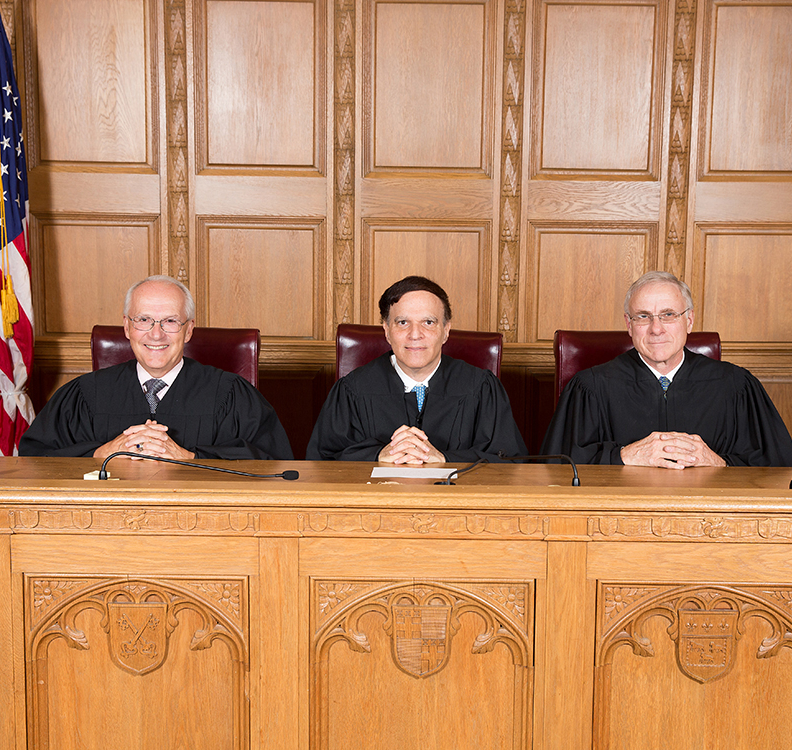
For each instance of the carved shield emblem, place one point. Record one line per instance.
(421, 638)
(707, 638)
(137, 635)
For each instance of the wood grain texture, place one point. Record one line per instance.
(747, 78)
(431, 80)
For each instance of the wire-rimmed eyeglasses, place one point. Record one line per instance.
(168, 325)
(666, 318)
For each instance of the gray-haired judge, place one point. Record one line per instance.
(160, 403)
(660, 404)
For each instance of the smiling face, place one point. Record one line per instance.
(660, 344)
(416, 330)
(157, 352)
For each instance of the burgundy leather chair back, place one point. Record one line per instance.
(358, 344)
(232, 349)
(579, 350)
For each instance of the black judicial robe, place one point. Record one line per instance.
(612, 405)
(466, 414)
(214, 413)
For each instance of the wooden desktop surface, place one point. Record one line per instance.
(172, 606)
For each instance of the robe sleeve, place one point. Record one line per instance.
(246, 427)
(64, 427)
(494, 428)
(579, 429)
(760, 436)
(338, 433)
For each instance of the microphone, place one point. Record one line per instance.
(290, 474)
(575, 478)
(447, 480)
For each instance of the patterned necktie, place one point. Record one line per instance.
(665, 382)
(151, 388)
(420, 392)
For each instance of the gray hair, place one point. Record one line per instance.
(189, 302)
(658, 277)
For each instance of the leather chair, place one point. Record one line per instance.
(232, 349)
(579, 350)
(358, 344)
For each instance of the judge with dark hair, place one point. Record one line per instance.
(415, 405)
(160, 403)
(660, 404)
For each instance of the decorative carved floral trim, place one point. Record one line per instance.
(715, 528)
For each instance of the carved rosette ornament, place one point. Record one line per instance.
(705, 622)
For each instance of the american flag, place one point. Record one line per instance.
(16, 333)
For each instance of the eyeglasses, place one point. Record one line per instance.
(168, 325)
(666, 318)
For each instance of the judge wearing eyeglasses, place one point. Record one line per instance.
(661, 404)
(159, 403)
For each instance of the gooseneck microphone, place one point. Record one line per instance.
(575, 478)
(457, 472)
(290, 474)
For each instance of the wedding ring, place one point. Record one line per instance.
(139, 448)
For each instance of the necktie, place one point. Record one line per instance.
(420, 393)
(665, 382)
(151, 388)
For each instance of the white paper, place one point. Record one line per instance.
(411, 472)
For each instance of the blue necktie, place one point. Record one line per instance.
(420, 393)
(151, 388)
(665, 382)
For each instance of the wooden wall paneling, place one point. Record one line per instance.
(754, 260)
(745, 79)
(429, 86)
(91, 66)
(455, 254)
(584, 271)
(87, 265)
(598, 90)
(263, 273)
(258, 81)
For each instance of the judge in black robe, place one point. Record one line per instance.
(466, 414)
(213, 413)
(609, 406)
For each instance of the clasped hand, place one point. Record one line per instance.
(670, 450)
(409, 445)
(150, 439)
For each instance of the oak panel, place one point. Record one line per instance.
(684, 713)
(598, 87)
(747, 287)
(260, 80)
(455, 255)
(409, 712)
(94, 95)
(93, 703)
(282, 299)
(751, 78)
(583, 274)
(432, 76)
(88, 264)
